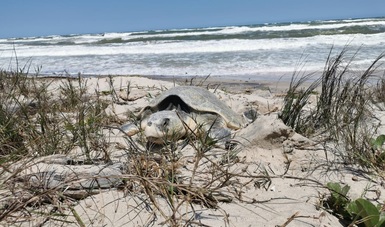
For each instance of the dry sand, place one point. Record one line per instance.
(298, 167)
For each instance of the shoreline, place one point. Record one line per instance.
(238, 84)
(227, 83)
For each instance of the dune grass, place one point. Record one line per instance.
(343, 113)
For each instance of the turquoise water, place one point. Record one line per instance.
(250, 51)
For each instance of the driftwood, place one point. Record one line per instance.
(73, 178)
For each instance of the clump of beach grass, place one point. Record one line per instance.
(295, 100)
(343, 113)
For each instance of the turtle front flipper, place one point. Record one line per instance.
(129, 128)
(220, 134)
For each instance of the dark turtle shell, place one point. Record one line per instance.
(195, 99)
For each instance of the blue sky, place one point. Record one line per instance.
(25, 18)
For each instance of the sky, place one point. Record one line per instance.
(31, 18)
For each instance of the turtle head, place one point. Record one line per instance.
(163, 126)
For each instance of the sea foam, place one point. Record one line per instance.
(248, 51)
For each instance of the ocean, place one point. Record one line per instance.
(250, 52)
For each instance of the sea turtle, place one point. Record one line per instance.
(184, 109)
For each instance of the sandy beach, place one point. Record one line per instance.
(272, 177)
(206, 113)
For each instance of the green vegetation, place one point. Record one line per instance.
(378, 150)
(360, 212)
